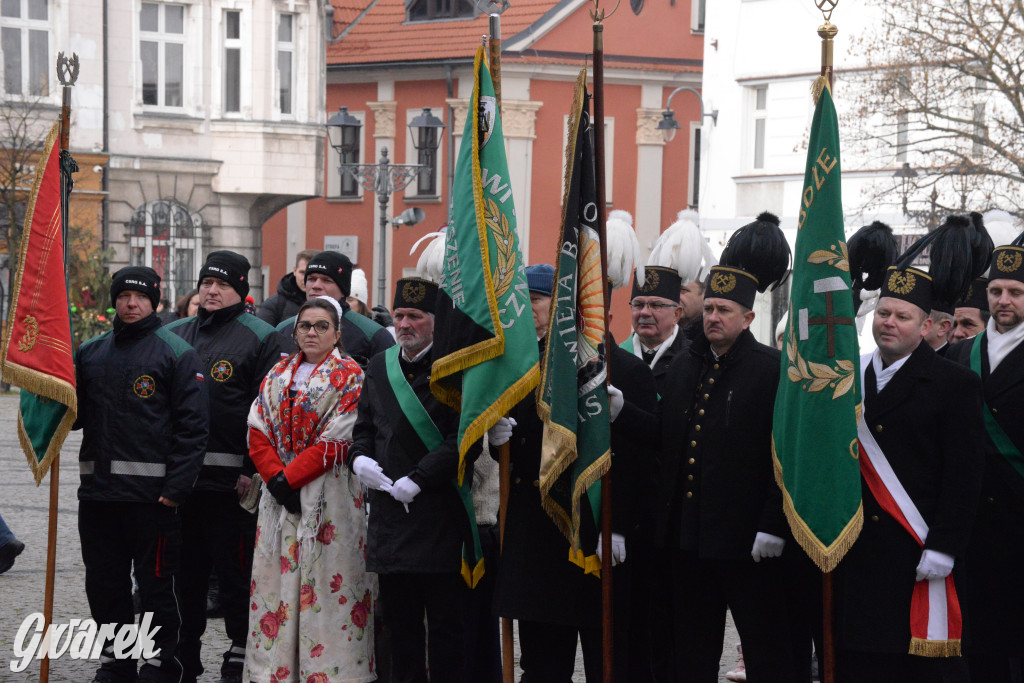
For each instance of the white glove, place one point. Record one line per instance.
(614, 402)
(618, 548)
(370, 473)
(404, 490)
(934, 565)
(766, 545)
(501, 432)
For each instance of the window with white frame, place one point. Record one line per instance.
(760, 119)
(343, 185)
(162, 52)
(697, 22)
(426, 184)
(166, 236)
(286, 62)
(25, 43)
(232, 61)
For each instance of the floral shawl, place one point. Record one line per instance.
(324, 410)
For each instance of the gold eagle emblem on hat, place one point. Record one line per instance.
(1009, 261)
(723, 283)
(413, 292)
(901, 282)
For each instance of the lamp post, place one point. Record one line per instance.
(905, 176)
(668, 124)
(383, 177)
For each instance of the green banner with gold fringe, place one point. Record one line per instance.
(814, 436)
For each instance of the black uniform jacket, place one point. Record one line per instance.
(142, 401)
(361, 337)
(536, 581)
(716, 487)
(283, 305)
(428, 538)
(237, 350)
(927, 421)
(998, 537)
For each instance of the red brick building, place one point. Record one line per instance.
(391, 58)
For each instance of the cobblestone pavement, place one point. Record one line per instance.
(25, 509)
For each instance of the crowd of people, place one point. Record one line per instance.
(300, 455)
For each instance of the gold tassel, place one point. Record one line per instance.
(818, 86)
(935, 648)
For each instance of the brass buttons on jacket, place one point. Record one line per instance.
(689, 477)
(693, 444)
(874, 518)
(715, 366)
(878, 428)
(697, 428)
(691, 461)
(689, 494)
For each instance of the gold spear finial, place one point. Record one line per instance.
(828, 32)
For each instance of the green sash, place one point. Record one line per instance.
(1000, 438)
(628, 344)
(430, 435)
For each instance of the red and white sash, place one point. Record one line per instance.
(935, 621)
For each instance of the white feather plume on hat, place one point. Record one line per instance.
(1002, 227)
(431, 261)
(683, 248)
(623, 249)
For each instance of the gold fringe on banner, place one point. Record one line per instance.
(818, 86)
(935, 648)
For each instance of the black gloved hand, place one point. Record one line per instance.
(382, 316)
(283, 492)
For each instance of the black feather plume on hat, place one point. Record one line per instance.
(760, 249)
(872, 250)
(961, 250)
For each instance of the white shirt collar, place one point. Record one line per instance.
(883, 375)
(418, 355)
(1000, 344)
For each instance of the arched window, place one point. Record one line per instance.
(166, 236)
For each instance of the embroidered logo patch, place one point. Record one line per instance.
(902, 282)
(651, 280)
(221, 371)
(413, 292)
(144, 387)
(723, 283)
(1009, 261)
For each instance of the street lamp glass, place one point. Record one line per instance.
(668, 125)
(336, 126)
(426, 131)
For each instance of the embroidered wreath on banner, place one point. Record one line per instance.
(28, 339)
(838, 257)
(1007, 262)
(814, 377)
(902, 282)
(723, 283)
(504, 247)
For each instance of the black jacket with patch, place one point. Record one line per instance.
(237, 350)
(143, 406)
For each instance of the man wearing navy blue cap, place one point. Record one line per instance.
(540, 279)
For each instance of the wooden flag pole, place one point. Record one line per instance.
(494, 56)
(67, 72)
(504, 485)
(827, 32)
(607, 615)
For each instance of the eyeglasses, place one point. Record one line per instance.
(321, 327)
(653, 305)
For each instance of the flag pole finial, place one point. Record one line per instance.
(827, 32)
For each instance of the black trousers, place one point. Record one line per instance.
(482, 634)
(404, 599)
(701, 593)
(548, 652)
(994, 669)
(877, 667)
(115, 536)
(217, 533)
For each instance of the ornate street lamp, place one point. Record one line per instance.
(383, 177)
(668, 124)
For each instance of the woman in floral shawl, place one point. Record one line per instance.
(311, 617)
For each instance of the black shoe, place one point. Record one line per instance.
(8, 552)
(231, 677)
(214, 608)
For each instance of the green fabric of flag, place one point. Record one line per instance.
(485, 344)
(573, 398)
(818, 401)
